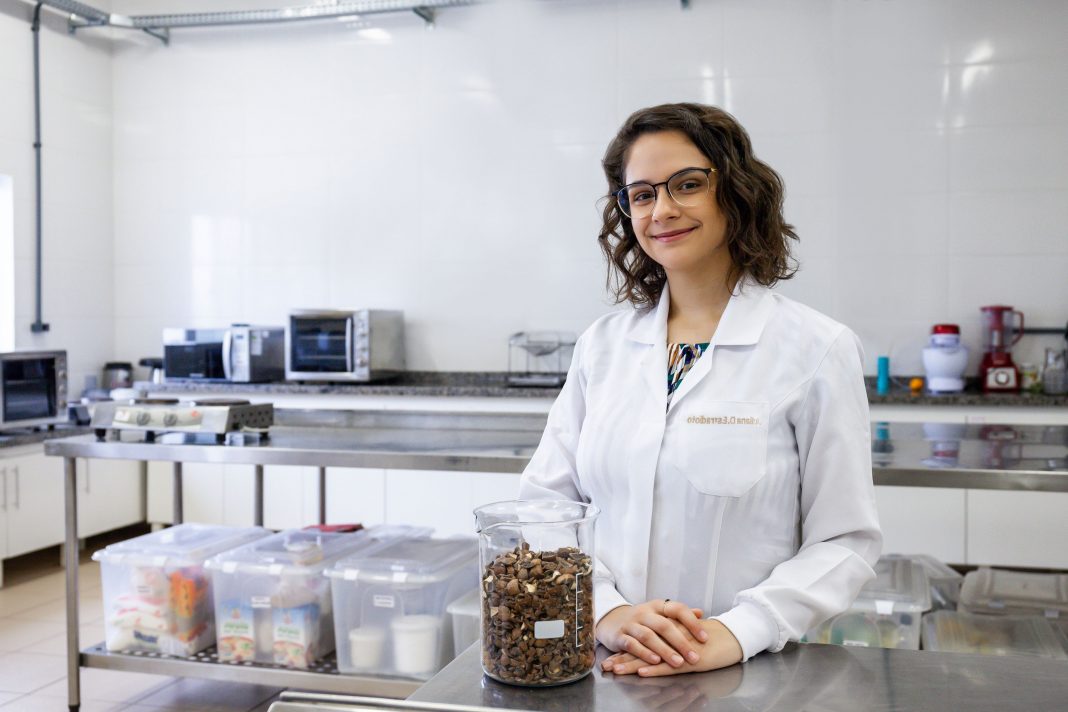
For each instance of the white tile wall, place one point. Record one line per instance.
(76, 133)
(454, 173)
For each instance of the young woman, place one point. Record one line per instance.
(721, 428)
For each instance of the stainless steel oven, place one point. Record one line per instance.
(338, 345)
(240, 353)
(33, 388)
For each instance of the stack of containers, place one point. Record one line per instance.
(945, 582)
(1003, 613)
(887, 611)
(390, 603)
(465, 613)
(963, 632)
(157, 593)
(272, 602)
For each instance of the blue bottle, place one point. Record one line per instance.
(882, 382)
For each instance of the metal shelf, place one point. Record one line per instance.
(323, 676)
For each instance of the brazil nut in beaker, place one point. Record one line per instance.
(536, 559)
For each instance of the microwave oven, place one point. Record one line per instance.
(33, 388)
(335, 345)
(240, 353)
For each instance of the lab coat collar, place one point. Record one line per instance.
(742, 323)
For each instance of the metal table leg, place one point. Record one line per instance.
(177, 489)
(257, 497)
(70, 518)
(322, 495)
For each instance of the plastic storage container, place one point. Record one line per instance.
(960, 632)
(157, 594)
(272, 602)
(1012, 592)
(464, 612)
(945, 583)
(390, 602)
(887, 611)
(536, 563)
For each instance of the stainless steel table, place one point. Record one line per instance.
(974, 457)
(815, 678)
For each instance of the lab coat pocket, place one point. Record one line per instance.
(725, 446)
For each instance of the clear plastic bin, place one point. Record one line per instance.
(272, 602)
(869, 630)
(465, 612)
(961, 632)
(944, 582)
(1013, 592)
(390, 603)
(887, 611)
(157, 594)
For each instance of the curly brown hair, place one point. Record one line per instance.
(748, 191)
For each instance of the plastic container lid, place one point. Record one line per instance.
(945, 329)
(899, 585)
(998, 591)
(180, 545)
(937, 571)
(470, 604)
(410, 561)
(958, 632)
(294, 552)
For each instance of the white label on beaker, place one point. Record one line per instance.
(384, 601)
(261, 601)
(548, 629)
(884, 608)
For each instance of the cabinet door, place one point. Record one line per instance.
(110, 496)
(1018, 528)
(922, 520)
(160, 498)
(34, 502)
(431, 498)
(239, 487)
(356, 495)
(203, 487)
(290, 496)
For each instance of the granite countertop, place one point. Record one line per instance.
(469, 384)
(29, 436)
(493, 384)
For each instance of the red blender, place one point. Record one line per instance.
(1000, 332)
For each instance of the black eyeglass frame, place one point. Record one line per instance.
(620, 195)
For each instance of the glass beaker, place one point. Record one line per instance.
(1055, 375)
(536, 559)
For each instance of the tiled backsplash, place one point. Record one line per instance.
(454, 172)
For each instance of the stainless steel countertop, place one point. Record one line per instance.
(1019, 457)
(815, 678)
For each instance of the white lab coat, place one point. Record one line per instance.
(751, 496)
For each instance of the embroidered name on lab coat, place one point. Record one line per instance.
(722, 420)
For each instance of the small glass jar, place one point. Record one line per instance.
(1030, 380)
(536, 560)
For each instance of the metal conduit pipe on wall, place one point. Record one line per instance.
(81, 15)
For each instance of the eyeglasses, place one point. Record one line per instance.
(687, 188)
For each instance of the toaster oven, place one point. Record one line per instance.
(33, 388)
(336, 345)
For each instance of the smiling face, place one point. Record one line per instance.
(680, 239)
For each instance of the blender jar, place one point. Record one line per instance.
(536, 559)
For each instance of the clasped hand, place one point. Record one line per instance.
(664, 638)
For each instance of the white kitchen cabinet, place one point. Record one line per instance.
(212, 493)
(356, 495)
(444, 500)
(290, 496)
(923, 520)
(1018, 528)
(33, 501)
(110, 494)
